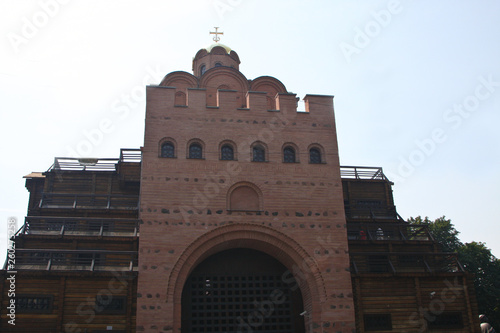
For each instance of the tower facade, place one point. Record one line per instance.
(237, 184)
(235, 216)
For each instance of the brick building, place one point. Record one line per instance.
(235, 216)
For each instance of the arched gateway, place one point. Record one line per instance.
(244, 278)
(241, 290)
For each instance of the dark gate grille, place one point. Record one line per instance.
(260, 303)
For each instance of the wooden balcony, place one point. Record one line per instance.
(74, 260)
(387, 231)
(372, 213)
(88, 201)
(404, 262)
(80, 226)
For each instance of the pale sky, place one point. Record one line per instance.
(416, 86)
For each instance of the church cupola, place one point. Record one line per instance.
(216, 55)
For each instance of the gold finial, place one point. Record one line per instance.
(216, 33)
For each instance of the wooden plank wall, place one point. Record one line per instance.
(366, 190)
(410, 300)
(73, 303)
(80, 244)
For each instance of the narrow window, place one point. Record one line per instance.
(289, 155)
(259, 154)
(34, 303)
(167, 150)
(227, 153)
(314, 156)
(203, 69)
(195, 151)
(111, 305)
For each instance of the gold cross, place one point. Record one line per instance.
(216, 33)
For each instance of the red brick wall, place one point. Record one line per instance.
(184, 202)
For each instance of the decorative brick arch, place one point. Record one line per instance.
(229, 77)
(180, 79)
(271, 86)
(268, 84)
(259, 200)
(253, 236)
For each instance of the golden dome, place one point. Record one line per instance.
(227, 48)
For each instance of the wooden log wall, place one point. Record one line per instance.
(414, 303)
(74, 303)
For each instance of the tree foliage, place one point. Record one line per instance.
(442, 230)
(476, 258)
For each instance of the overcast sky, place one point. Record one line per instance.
(416, 86)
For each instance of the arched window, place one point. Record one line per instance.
(203, 69)
(218, 64)
(195, 151)
(258, 154)
(315, 156)
(227, 153)
(167, 150)
(289, 155)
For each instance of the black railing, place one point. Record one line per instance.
(89, 201)
(357, 172)
(404, 262)
(372, 213)
(96, 164)
(83, 164)
(74, 260)
(37, 225)
(384, 231)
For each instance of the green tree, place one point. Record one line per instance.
(442, 230)
(476, 258)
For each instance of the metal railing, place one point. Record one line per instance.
(89, 201)
(130, 155)
(75, 260)
(96, 164)
(383, 231)
(404, 262)
(358, 172)
(372, 213)
(83, 164)
(80, 226)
